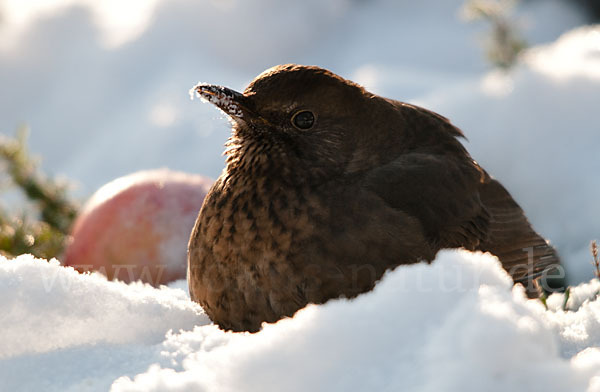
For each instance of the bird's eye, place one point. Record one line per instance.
(303, 119)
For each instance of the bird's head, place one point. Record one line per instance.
(310, 119)
(302, 115)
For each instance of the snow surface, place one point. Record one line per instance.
(454, 325)
(62, 329)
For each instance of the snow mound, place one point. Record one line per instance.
(46, 307)
(576, 54)
(455, 325)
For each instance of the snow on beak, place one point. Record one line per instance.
(229, 101)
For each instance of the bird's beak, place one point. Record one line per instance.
(231, 102)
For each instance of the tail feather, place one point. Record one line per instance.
(524, 254)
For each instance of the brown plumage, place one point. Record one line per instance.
(326, 187)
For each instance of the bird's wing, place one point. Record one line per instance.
(441, 191)
(460, 206)
(522, 251)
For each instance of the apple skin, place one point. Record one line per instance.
(137, 227)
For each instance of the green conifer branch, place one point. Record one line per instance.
(44, 229)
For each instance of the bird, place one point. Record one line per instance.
(327, 186)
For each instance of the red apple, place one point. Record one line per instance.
(137, 227)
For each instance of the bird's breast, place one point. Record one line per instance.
(252, 226)
(243, 250)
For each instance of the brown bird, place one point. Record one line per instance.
(326, 187)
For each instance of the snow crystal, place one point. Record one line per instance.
(218, 97)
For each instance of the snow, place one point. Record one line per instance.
(77, 330)
(73, 309)
(91, 101)
(456, 324)
(214, 95)
(119, 22)
(575, 55)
